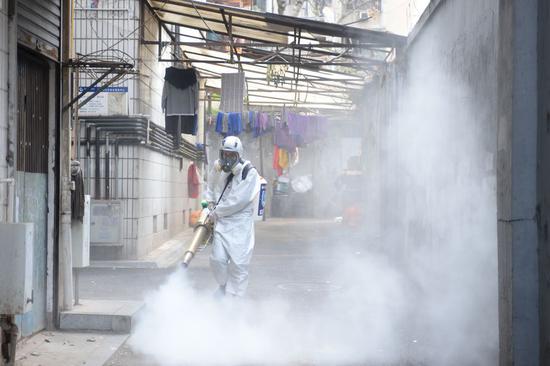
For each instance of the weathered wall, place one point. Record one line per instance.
(519, 254)
(3, 104)
(151, 79)
(31, 190)
(35, 187)
(430, 143)
(161, 197)
(544, 177)
(152, 188)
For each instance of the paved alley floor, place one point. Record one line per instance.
(293, 260)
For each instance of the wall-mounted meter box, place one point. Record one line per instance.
(16, 252)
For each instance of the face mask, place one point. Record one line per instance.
(228, 160)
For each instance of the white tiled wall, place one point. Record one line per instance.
(149, 184)
(151, 79)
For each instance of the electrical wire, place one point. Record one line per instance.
(124, 38)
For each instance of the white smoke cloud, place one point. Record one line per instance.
(423, 293)
(353, 324)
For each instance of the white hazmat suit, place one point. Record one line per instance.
(233, 241)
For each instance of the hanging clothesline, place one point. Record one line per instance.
(287, 126)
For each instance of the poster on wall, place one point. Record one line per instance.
(111, 101)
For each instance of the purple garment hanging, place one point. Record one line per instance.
(297, 127)
(264, 121)
(283, 139)
(261, 124)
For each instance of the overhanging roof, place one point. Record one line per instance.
(324, 62)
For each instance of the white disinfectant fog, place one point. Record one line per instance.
(420, 289)
(183, 326)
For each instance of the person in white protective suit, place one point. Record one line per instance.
(231, 189)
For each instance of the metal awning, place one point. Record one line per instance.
(319, 64)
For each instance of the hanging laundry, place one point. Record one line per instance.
(235, 125)
(180, 92)
(193, 181)
(248, 121)
(282, 138)
(180, 97)
(187, 124)
(306, 129)
(297, 127)
(264, 122)
(283, 158)
(232, 98)
(251, 117)
(229, 124)
(261, 124)
(276, 165)
(222, 125)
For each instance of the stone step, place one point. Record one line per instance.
(101, 315)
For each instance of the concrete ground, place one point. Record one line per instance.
(68, 348)
(293, 260)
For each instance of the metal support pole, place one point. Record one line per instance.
(262, 163)
(65, 240)
(8, 329)
(11, 156)
(76, 274)
(107, 167)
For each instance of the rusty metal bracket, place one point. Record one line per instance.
(120, 69)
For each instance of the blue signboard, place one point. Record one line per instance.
(109, 89)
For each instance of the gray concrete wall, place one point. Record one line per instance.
(151, 78)
(3, 104)
(544, 177)
(518, 209)
(430, 145)
(33, 207)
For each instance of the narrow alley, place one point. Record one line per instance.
(274, 182)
